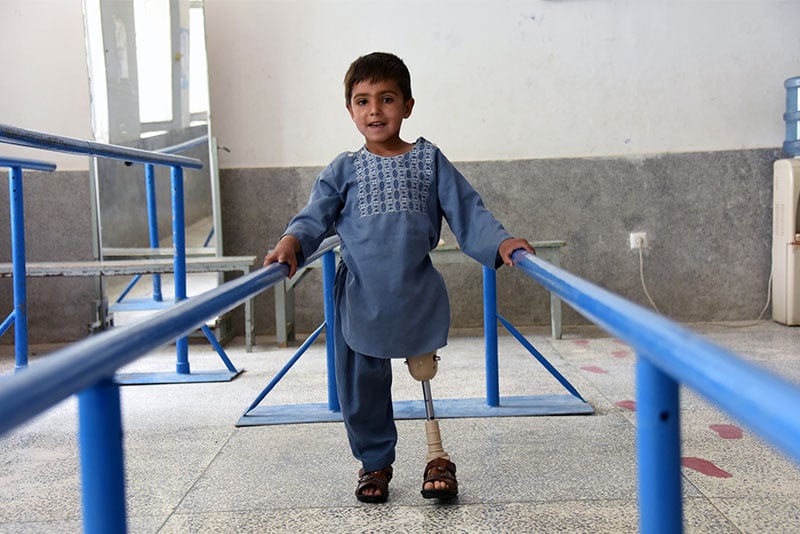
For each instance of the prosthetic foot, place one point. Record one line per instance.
(439, 468)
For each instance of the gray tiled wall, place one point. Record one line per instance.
(707, 215)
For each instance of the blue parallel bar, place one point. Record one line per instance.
(31, 138)
(541, 359)
(15, 194)
(101, 455)
(766, 403)
(88, 367)
(85, 363)
(218, 348)
(328, 276)
(179, 243)
(19, 316)
(669, 355)
(490, 334)
(186, 145)
(658, 449)
(152, 206)
(129, 287)
(7, 323)
(285, 369)
(152, 222)
(28, 164)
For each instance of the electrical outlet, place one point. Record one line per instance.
(638, 240)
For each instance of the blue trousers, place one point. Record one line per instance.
(364, 385)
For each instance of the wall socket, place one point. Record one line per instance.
(638, 240)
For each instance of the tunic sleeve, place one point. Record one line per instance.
(316, 220)
(478, 232)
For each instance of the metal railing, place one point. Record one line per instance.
(669, 355)
(46, 141)
(19, 315)
(152, 212)
(87, 368)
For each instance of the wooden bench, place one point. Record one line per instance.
(284, 290)
(144, 252)
(202, 264)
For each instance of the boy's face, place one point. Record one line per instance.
(378, 110)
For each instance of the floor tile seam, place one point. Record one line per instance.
(574, 374)
(561, 501)
(199, 476)
(421, 505)
(34, 522)
(713, 505)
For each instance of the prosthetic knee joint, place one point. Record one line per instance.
(423, 368)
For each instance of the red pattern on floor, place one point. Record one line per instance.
(595, 369)
(627, 404)
(727, 431)
(704, 466)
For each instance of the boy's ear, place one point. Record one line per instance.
(349, 109)
(408, 106)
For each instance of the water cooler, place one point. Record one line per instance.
(786, 217)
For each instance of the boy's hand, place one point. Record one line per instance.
(508, 246)
(285, 252)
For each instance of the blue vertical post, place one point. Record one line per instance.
(152, 221)
(328, 276)
(17, 207)
(791, 145)
(490, 334)
(101, 455)
(658, 450)
(179, 242)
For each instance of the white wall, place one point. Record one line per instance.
(43, 74)
(493, 80)
(505, 80)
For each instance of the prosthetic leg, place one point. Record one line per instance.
(439, 467)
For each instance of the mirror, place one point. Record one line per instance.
(149, 89)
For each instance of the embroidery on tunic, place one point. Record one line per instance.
(393, 185)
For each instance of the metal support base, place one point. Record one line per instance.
(415, 409)
(138, 379)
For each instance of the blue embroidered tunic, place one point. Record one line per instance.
(387, 211)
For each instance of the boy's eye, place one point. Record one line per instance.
(361, 101)
(388, 99)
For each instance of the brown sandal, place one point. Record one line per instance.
(377, 479)
(440, 470)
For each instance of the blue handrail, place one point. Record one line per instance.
(83, 364)
(669, 355)
(87, 368)
(45, 141)
(186, 145)
(19, 315)
(152, 212)
(27, 164)
(40, 140)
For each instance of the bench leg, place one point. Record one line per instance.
(284, 313)
(555, 316)
(249, 327)
(555, 301)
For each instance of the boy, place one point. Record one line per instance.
(386, 202)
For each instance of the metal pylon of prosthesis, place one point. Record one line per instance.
(430, 415)
(423, 368)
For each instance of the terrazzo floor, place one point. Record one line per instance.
(190, 469)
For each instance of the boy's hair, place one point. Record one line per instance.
(378, 67)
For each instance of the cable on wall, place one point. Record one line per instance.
(653, 304)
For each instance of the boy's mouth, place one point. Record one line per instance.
(376, 124)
